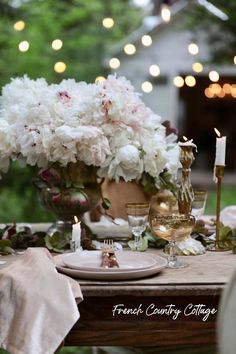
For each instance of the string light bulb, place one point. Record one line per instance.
(214, 76)
(60, 67)
(193, 48)
(146, 40)
(154, 70)
(197, 67)
(23, 46)
(114, 63)
(235, 59)
(215, 88)
(165, 13)
(190, 81)
(99, 79)
(57, 44)
(208, 93)
(227, 88)
(147, 86)
(178, 81)
(108, 22)
(233, 90)
(129, 49)
(19, 25)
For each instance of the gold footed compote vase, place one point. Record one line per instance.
(174, 227)
(68, 192)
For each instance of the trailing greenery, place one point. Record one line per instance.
(18, 198)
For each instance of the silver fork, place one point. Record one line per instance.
(108, 255)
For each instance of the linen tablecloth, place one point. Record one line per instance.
(38, 306)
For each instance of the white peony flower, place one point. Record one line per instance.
(126, 164)
(105, 125)
(92, 146)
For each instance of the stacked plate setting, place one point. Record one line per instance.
(132, 265)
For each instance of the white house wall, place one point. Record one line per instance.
(169, 50)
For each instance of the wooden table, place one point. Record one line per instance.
(185, 292)
(199, 284)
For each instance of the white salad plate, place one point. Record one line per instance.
(108, 275)
(121, 275)
(91, 261)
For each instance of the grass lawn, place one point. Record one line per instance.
(228, 197)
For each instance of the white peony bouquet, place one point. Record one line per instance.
(104, 125)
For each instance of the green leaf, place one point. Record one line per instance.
(5, 247)
(57, 242)
(68, 184)
(153, 240)
(106, 203)
(78, 185)
(4, 243)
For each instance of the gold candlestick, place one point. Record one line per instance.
(219, 245)
(185, 194)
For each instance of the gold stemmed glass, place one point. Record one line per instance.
(174, 227)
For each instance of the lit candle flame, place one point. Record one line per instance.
(217, 132)
(76, 219)
(185, 139)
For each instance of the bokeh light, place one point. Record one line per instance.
(60, 67)
(129, 49)
(146, 40)
(114, 63)
(227, 88)
(165, 13)
(190, 81)
(208, 93)
(57, 44)
(178, 81)
(108, 22)
(23, 46)
(197, 67)
(193, 48)
(19, 25)
(147, 86)
(215, 88)
(100, 79)
(154, 70)
(214, 76)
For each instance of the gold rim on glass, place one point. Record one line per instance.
(137, 205)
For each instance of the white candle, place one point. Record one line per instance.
(220, 149)
(76, 233)
(187, 143)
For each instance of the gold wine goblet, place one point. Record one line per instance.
(174, 227)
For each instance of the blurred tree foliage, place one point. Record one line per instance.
(220, 34)
(78, 23)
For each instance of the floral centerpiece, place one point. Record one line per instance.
(105, 126)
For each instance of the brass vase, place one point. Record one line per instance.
(68, 192)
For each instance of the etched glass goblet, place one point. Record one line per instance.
(137, 218)
(199, 203)
(175, 227)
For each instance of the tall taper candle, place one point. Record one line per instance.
(220, 149)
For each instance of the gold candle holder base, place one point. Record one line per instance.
(219, 245)
(219, 248)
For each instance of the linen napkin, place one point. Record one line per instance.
(38, 305)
